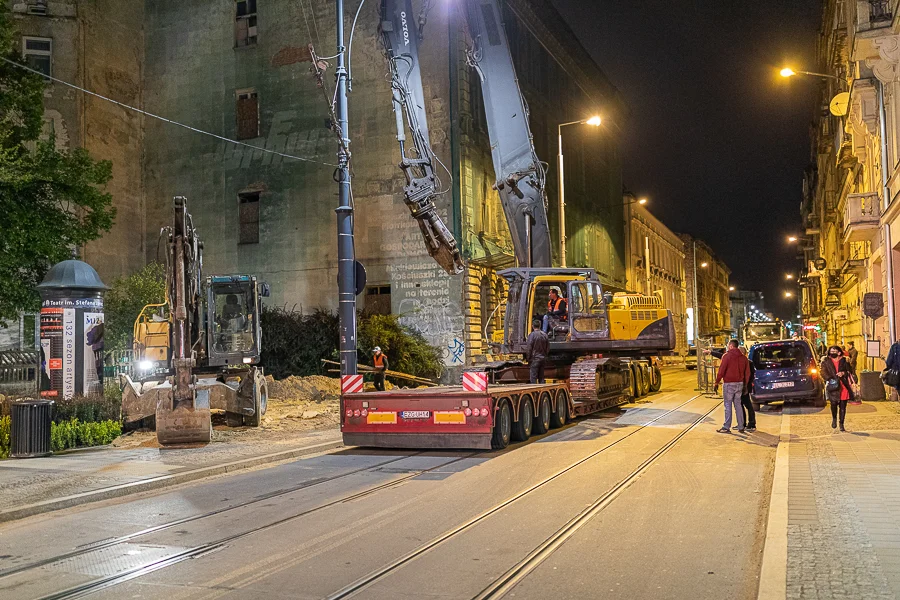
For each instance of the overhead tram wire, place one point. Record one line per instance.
(164, 119)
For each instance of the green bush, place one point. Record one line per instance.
(76, 434)
(124, 300)
(4, 437)
(89, 409)
(295, 343)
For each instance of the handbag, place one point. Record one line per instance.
(891, 377)
(833, 385)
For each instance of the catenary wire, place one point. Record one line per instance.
(164, 119)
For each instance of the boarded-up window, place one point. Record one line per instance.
(38, 53)
(378, 300)
(248, 204)
(247, 112)
(244, 23)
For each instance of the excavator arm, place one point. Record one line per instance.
(520, 175)
(416, 156)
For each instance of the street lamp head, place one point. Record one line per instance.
(730, 288)
(788, 295)
(787, 72)
(704, 264)
(792, 238)
(595, 121)
(642, 201)
(789, 276)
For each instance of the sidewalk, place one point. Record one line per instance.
(841, 491)
(37, 485)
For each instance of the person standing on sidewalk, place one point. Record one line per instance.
(734, 371)
(746, 404)
(839, 379)
(853, 355)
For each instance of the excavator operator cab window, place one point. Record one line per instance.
(587, 307)
(540, 306)
(233, 318)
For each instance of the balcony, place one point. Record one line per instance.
(861, 217)
(873, 14)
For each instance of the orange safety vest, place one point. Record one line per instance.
(378, 360)
(551, 307)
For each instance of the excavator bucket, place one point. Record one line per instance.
(184, 424)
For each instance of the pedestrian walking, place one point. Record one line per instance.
(734, 371)
(537, 347)
(891, 374)
(746, 403)
(380, 362)
(839, 379)
(852, 354)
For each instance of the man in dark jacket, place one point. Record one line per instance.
(735, 372)
(852, 355)
(537, 347)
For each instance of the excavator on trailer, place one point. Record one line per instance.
(194, 354)
(609, 343)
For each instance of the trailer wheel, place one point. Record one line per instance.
(561, 414)
(655, 378)
(521, 429)
(542, 422)
(502, 425)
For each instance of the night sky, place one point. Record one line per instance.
(716, 139)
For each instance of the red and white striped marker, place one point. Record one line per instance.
(351, 384)
(475, 382)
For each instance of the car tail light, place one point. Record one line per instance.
(484, 412)
(349, 412)
(356, 413)
(813, 371)
(364, 412)
(468, 412)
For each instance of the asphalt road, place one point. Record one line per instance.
(646, 501)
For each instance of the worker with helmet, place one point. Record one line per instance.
(557, 309)
(380, 362)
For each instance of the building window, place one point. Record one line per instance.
(38, 53)
(249, 218)
(378, 299)
(247, 112)
(244, 23)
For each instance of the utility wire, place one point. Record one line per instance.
(164, 119)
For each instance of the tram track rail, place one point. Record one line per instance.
(110, 542)
(363, 583)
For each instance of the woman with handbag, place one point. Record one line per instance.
(891, 374)
(839, 379)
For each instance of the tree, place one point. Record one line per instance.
(51, 200)
(125, 299)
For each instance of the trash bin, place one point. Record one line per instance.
(30, 428)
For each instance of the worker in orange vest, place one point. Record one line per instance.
(557, 309)
(380, 362)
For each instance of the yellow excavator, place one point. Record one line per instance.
(200, 349)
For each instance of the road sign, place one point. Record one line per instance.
(873, 348)
(873, 305)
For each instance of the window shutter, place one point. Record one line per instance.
(247, 117)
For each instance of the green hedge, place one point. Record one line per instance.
(4, 437)
(77, 434)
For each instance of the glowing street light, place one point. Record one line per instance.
(704, 264)
(730, 288)
(595, 121)
(787, 72)
(789, 276)
(642, 201)
(788, 295)
(792, 238)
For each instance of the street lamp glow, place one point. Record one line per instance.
(595, 121)
(788, 295)
(787, 72)
(642, 201)
(704, 264)
(789, 276)
(792, 238)
(730, 288)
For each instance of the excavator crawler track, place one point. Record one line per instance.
(598, 383)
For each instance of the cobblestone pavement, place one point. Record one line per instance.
(844, 498)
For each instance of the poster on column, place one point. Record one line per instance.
(52, 351)
(68, 353)
(93, 353)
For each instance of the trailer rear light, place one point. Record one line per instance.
(364, 412)
(468, 412)
(484, 412)
(356, 413)
(349, 412)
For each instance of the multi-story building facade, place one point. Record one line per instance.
(241, 69)
(850, 243)
(650, 243)
(707, 286)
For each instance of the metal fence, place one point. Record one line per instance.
(707, 364)
(19, 371)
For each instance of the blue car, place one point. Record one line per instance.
(785, 370)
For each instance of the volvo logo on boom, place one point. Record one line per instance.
(405, 28)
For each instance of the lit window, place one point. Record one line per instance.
(244, 23)
(38, 54)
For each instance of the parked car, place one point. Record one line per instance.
(690, 359)
(785, 370)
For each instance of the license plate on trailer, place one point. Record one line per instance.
(449, 417)
(415, 414)
(782, 384)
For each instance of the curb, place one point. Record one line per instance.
(160, 482)
(773, 575)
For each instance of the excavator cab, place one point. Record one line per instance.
(233, 307)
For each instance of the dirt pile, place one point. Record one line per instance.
(315, 388)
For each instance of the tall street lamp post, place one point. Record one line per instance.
(595, 121)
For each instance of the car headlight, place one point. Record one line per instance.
(146, 365)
